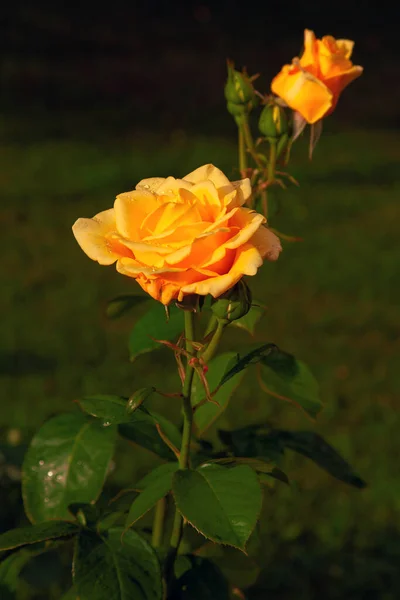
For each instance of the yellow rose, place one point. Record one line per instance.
(312, 84)
(181, 236)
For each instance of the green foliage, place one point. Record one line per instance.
(86, 514)
(253, 441)
(282, 376)
(153, 327)
(208, 412)
(110, 409)
(10, 569)
(222, 504)
(259, 466)
(156, 485)
(314, 447)
(107, 567)
(139, 426)
(243, 360)
(250, 321)
(34, 534)
(270, 444)
(142, 430)
(67, 462)
(159, 472)
(290, 379)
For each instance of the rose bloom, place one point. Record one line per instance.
(181, 236)
(312, 84)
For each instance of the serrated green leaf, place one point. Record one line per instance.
(107, 567)
(142, 430)
(250, 321)
(67, 462)
(139, 426)
(113, 410)
(206, 414)
(120, 305)
(111, 519)
(153, 326)
(254, 441)
(222, 504)
(23, 536)
(157, 485)
(241, 361)
(290, 379)
(314, 447)
(258, 465)
(201, 580)
(155, 474)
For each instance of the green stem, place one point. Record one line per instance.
(158, 524)
(184, 457)
(186, 435)
(242, 152)
(213, 345)
(187, 424)
(211, 325)
(248, 138)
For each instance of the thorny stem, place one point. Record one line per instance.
(177, 529)
(184, 457)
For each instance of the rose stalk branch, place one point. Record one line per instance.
(187, 424)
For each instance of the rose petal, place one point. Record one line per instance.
(303, 92)
(346, 46)
(247, 261)
(247, 222)
(267, 243)
(210, 173)
(91, 236)
(131, 209)
(309, 56)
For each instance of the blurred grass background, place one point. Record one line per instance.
(80, 127)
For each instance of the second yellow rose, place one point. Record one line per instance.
(312, 84)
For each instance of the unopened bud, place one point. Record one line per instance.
(274, 122)
(233, 304)
(239, 92)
